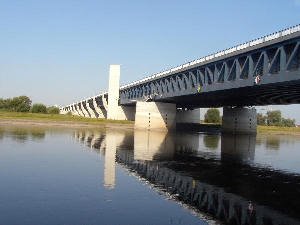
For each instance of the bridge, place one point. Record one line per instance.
(264, 71)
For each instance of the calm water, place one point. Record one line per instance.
(93, 176)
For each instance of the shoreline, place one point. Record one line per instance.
(65, 124)
(261, 130)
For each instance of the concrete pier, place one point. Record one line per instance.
(239, 120)
(89, 109)
(155, 115)
(101, 112)
(113, 92)
(188, 116)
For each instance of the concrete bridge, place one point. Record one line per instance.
(260, 72)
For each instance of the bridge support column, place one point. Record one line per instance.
(239, 120)
(114, 111)
(113, 92)
(89, 109)
(188, 116)
(155, 115)
(101, 112)
(84, 112)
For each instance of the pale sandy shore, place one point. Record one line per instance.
(68, 124)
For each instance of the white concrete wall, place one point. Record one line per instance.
(239, 120)
(188, 116)
(126, 113)
(113, 92)
(155, 115)
(91, 111)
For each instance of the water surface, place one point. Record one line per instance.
(94, 176)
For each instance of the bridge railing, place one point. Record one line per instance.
(254, 42)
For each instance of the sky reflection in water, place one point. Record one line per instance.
(63, 176)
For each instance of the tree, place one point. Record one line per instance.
(38, 108)
(212, 116)
(16, 104)
(261, 119)
(274, 118)
(287, 123)
(53, 110)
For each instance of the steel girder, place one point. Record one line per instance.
(268, 75)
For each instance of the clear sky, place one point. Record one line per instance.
(59, 51)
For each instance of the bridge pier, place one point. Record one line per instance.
(89, 109)
(188, 116)
(101, 112)
(238, 120)
(155, 115)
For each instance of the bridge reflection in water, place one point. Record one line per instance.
(191, 169)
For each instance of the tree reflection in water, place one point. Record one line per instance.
(22, 133)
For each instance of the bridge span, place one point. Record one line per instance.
(264, 71)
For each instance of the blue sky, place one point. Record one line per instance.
(58, 52)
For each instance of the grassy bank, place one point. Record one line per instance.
(58, 118)
(278, 130)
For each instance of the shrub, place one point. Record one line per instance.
(38, 108)
(212, 116)
(261, 119)
(53, 110)
(274, 118)
(287, 123)
(23, 107)
(16, 104)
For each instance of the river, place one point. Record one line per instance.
(74, 176)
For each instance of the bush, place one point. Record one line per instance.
(53, 110)
(38, 108)
(16, 104)
(212, 116)
(261, 119)
(287, 123)
(23, 108)
(274, 118)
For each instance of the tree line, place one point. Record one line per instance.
(24, 104)
(272, 118)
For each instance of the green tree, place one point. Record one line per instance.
(261, 119)
(274, 118)
(2, 103)
(53, 110)
(38, 108)
(287, 123)
(212, 116)
(16, 104)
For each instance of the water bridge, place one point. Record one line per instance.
(260, 72)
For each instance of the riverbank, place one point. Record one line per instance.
(59, 120)
(76, 121)
(278, 130)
